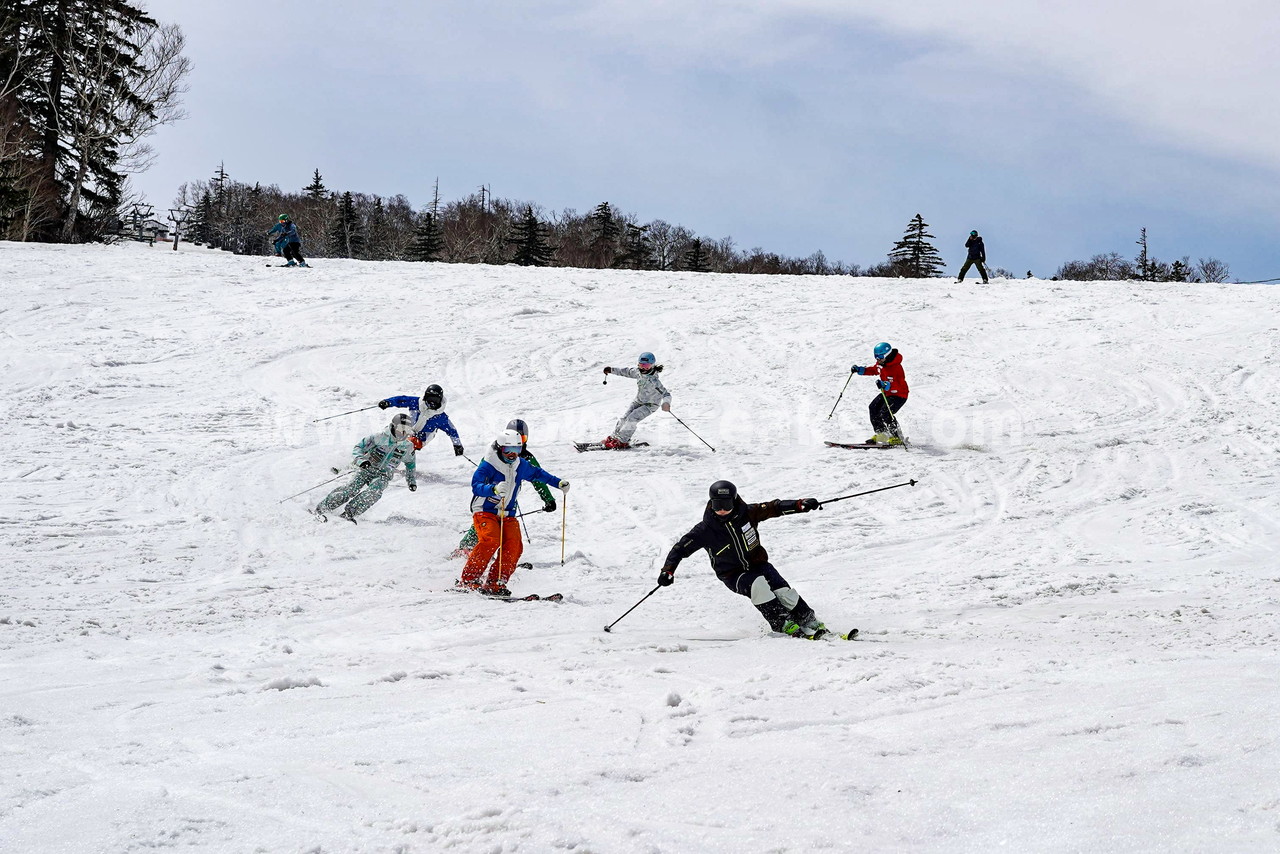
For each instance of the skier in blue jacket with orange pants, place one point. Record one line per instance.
(494, 489)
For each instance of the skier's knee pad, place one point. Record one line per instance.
(760, 592)
(787, 597)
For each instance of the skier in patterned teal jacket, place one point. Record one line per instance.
(376, 459)
(428, 415)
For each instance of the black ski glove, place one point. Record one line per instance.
(549, 506)
(383, 404)
(364, 465)
(413, 487)
(667, 576)
(608, 370)
(804, 505)
(457, 450)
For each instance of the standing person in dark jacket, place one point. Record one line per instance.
(288, 242)
(728, 533)
(977, 257)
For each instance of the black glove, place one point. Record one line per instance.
(667, 576)
(365, 464)
(457, 450)
(549, 506)
(413, 487)
(804, 505)
(608, 370)
(383, 404)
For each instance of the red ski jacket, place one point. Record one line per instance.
(891, 371)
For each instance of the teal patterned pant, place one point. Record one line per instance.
(359, 494)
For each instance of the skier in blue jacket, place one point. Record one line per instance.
(289, 242)
(494, 489)
(428, 415)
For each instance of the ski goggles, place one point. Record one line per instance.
(510, 450)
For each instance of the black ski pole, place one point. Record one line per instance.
(632, 608)
(309, 488)
(690, 429)
(868, 492)
(340, 414)
(842, 391)
(468, 459)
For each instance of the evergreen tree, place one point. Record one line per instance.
(201, 226)
(914, 255)
(532, 249)
(428, 242)
(346, 238)
(604, 243)
(1143, 261)
(696, 259)
(316, 188)
(637, 249)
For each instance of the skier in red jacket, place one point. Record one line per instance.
(892, 383)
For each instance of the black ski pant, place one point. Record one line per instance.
(973, 262)
(770, 593)
(293, 252)
(882, 416)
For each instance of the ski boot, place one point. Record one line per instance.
(615, 444)
(303, 264)
(347, 515)
(498, 591)
(466, 586)
(292, 264)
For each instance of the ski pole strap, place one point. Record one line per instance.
(868, 492)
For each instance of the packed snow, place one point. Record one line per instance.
(1068, 626)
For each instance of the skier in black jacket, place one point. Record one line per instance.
(977, 257)
(728, 533)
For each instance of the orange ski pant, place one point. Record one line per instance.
(487, 545)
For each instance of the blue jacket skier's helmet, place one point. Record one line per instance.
(882, 349)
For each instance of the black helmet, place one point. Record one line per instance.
(722, 495)
(520, 427)
(433, 396)
(401, 426)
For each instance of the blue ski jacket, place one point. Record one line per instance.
(493, 469)
(288, 234)
(426, 421)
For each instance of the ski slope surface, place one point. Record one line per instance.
(1069, 626)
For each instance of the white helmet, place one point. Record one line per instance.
(509, 443)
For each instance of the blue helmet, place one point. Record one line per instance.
(647, 359)
(882, 349)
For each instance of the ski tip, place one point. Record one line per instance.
(850, 635)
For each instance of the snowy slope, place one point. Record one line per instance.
(1069, 625)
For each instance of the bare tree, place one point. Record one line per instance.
(1212, 270)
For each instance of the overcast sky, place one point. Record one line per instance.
(1057, 129)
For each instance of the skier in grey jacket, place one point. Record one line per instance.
(376, 459)
(650, 395)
